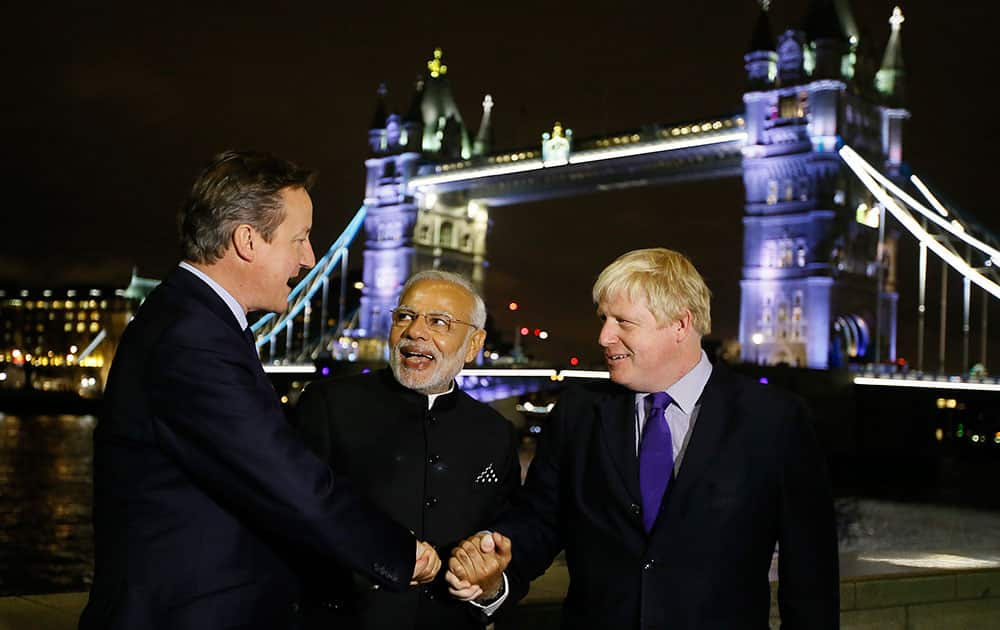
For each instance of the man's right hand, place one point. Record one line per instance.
(476, 566)
(427, 565)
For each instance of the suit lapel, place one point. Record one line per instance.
(711, 428)
(617, 416)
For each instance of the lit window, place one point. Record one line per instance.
(446, 234)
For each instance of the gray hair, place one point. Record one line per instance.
(236, 187)
(478, 305)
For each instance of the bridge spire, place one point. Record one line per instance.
(889, 78)
(763, 37)
(761, 58)
(381, 114)
(435, 66)
(484, 139)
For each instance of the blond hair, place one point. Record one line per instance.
(665, 279)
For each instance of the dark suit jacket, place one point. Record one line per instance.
(444, 473)
(201, 486)
(752, 475)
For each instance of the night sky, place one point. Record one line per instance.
(111, 109)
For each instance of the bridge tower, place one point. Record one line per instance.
(407, 233)
(818, 268)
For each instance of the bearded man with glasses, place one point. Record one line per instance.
(437, 461)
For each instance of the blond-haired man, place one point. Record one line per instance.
(669, 487)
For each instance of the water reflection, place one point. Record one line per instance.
(46, 536)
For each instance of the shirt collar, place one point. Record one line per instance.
(432, 397)
(687, 390)
(226, 296)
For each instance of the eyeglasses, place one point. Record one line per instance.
(438, 323)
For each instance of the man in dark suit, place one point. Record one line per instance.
(439, 462)
(669, 487)
(202, 490)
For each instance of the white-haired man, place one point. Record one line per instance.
(439, 462)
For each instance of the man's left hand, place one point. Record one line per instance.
(476, 566)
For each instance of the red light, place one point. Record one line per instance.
(538, 331)
(574, 361)
(512, 306)
(525, 331)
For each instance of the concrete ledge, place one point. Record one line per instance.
(968, 599)
(59, 611)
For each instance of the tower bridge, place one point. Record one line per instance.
(819, 147)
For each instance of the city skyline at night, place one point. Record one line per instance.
(129, 103)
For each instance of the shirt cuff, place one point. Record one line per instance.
(489, 609)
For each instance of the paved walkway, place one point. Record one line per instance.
(902, 566)
(891, 590)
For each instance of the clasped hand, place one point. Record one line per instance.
(427, 565)
(475, 569)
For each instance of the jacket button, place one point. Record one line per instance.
(433, 459)
(431, 418)
(430, 502)
(636, 510)
(649, 565)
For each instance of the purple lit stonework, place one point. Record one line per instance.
(813, 282)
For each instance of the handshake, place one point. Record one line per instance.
(475, 569)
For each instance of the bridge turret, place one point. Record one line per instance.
(890, 88)
(761, 61)
(437, 108)
(829, 28)
(791, 57)
(395, 145)
(807, 260)
(376, 130)
(388, 133)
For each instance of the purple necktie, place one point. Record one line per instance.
(656, 457)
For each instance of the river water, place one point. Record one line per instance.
(46, 536)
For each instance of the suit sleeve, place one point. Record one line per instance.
(808, 571)
(312, 419)
(532, 523)
(217, 416)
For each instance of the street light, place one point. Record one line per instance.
(757, 339)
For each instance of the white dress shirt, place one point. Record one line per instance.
(227, 297)
(682, 412)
